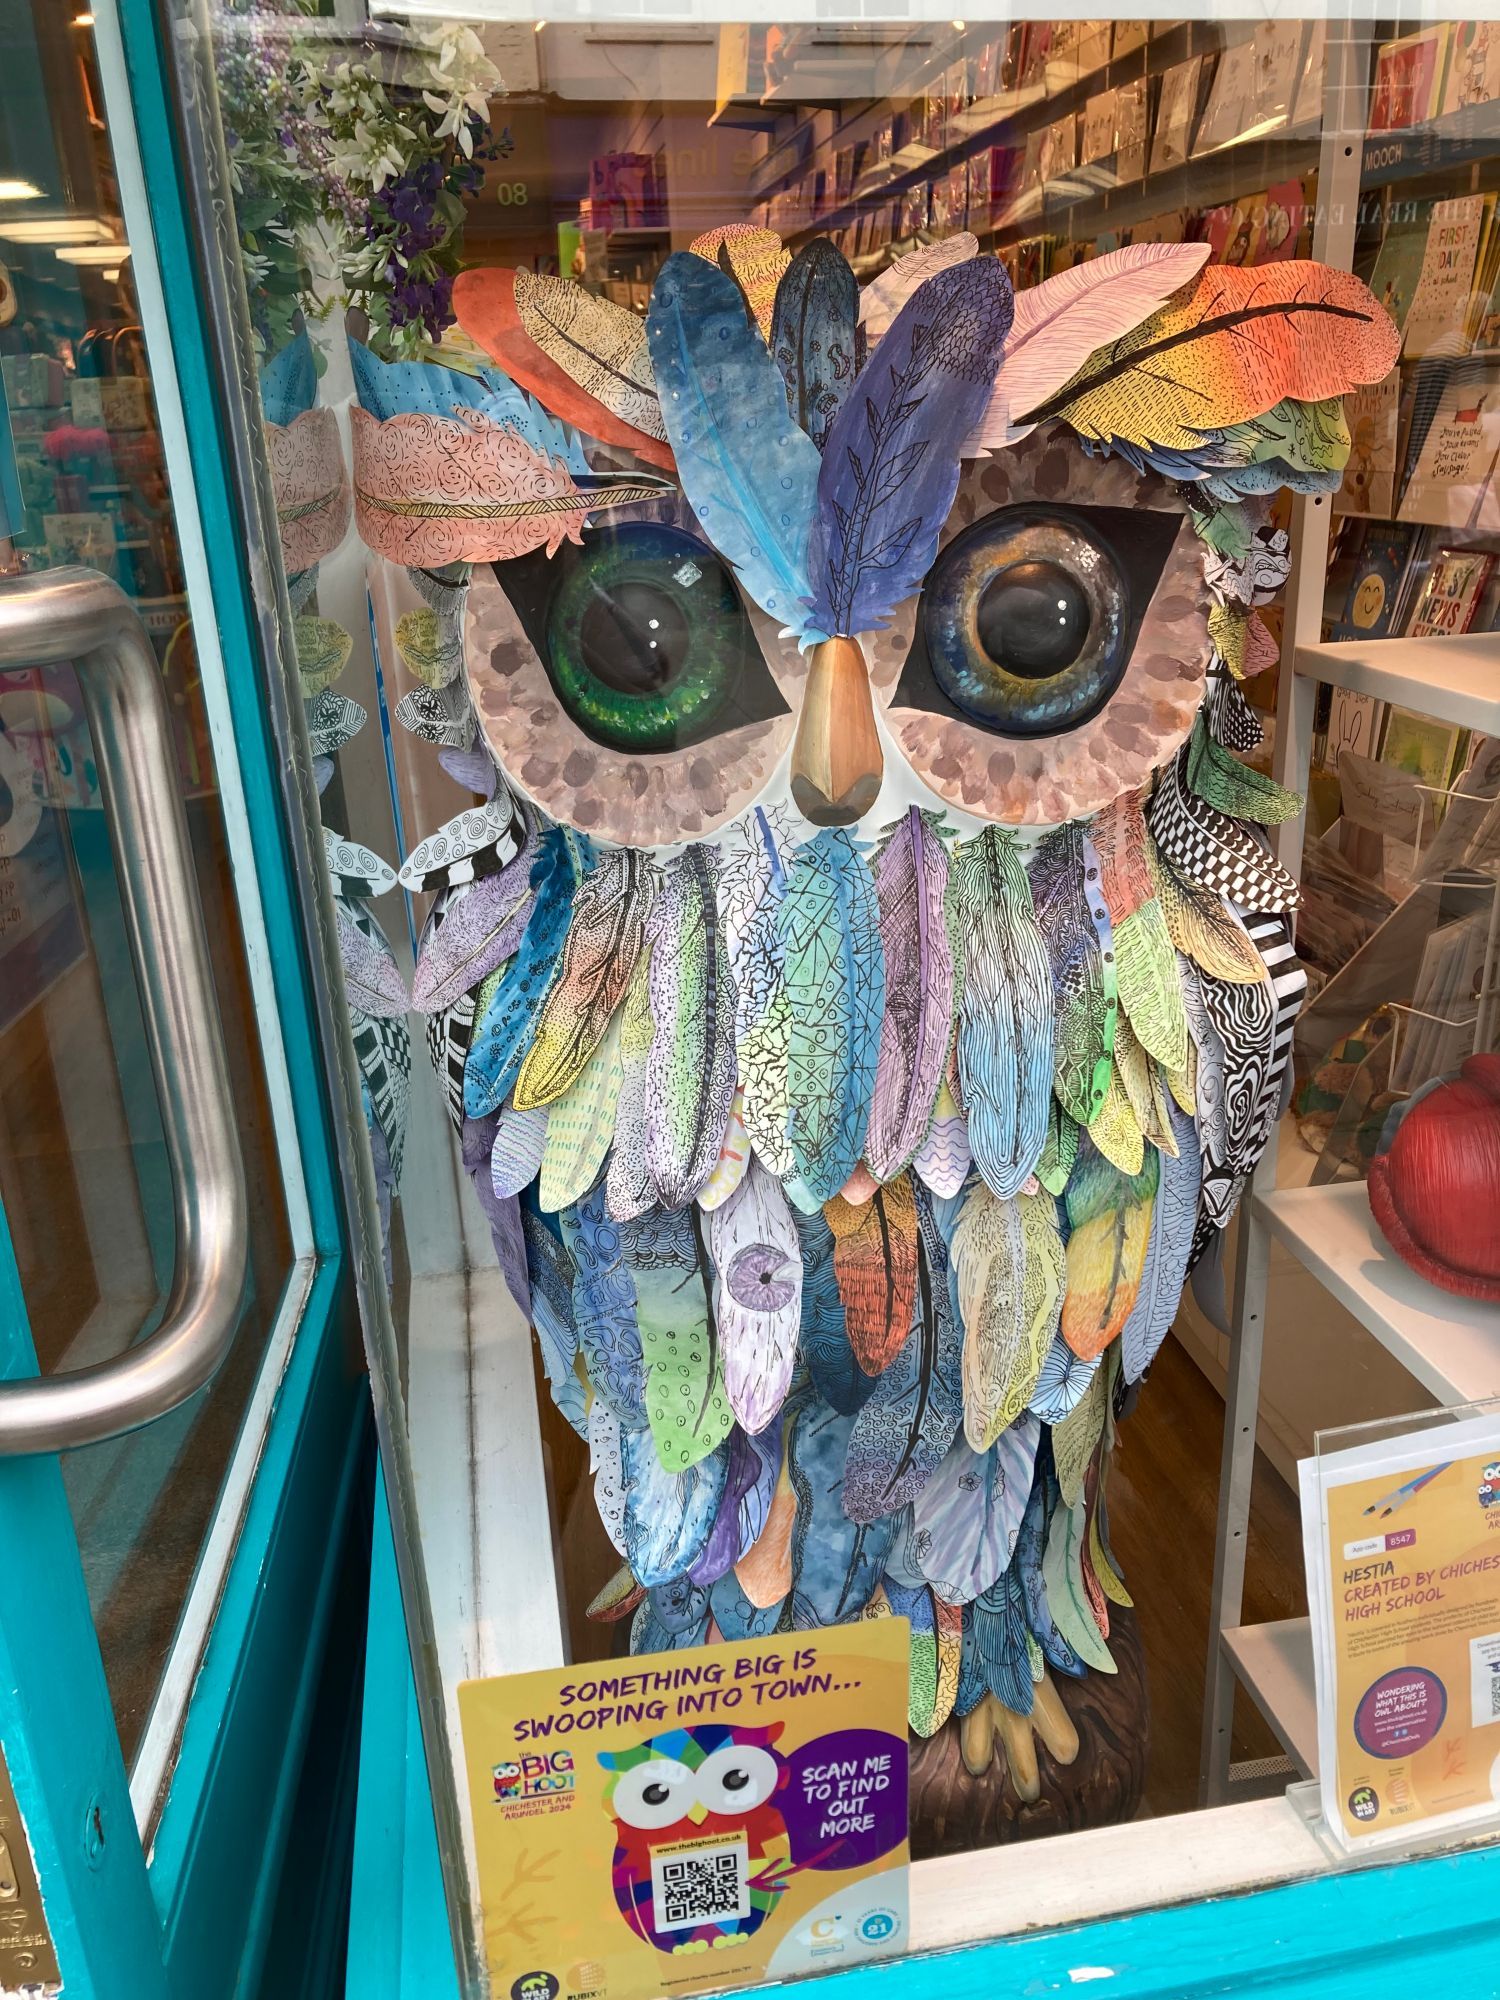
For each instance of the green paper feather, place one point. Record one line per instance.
(686, 1405)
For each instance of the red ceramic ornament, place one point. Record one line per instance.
(1435, 1191)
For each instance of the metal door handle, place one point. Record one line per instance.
(79, 617)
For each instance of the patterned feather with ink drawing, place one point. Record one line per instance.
(835, 983)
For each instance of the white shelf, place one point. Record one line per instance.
(1453, 680)
(1451, 1344)
(1275, 1665)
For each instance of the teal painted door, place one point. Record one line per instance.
(182, 1407)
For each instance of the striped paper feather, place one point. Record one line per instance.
(943, 1159)
(520, 1140)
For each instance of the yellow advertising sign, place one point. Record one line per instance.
(1407, 1626)
(707, 1818)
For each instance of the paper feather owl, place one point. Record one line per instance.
(702, 1854)
(868, 985)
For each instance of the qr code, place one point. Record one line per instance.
(700, 1885)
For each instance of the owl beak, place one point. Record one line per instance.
(697, 1812)
(836, 758)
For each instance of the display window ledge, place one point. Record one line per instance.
(1238, 1898)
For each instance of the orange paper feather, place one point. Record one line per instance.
(506, 321)
(1227, 349)
(875, 1264)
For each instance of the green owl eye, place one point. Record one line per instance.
(644, 638)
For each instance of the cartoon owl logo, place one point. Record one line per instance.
(702, 1855)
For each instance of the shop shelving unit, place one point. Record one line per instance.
(1449, 1344)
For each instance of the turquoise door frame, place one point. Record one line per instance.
(190, 1921)
(1370, 1934)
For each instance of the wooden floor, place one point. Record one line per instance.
(1163, 1504)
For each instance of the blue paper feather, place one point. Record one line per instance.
(890, 467)
(668, 1515)
(836, 1561)
(736, 1617)
(1172, 1218)
(813, 329)
(968, 1515)
(389, 388)
(996, 1658)
(1031, 1546)
(903, 1432)
(749, 472)
(834, 970)
(609, 1336)
(501, 1039)
(289, 380)
(550, 1270)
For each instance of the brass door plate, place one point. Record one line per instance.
(27, 1958)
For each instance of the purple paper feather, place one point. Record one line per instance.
(943, 1159)
(370, 971)
(911, 881)
(890, 468)
(517, 1152)
(474, 927)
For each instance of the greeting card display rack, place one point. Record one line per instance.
(1451, 1345)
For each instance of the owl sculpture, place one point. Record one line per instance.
(702, 1854)
(864, 986)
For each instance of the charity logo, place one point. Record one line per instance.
(535, 1986)
(534, 1777)
(1364, 1802)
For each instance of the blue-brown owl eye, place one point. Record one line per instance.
(1028, 617)
(643, 636)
